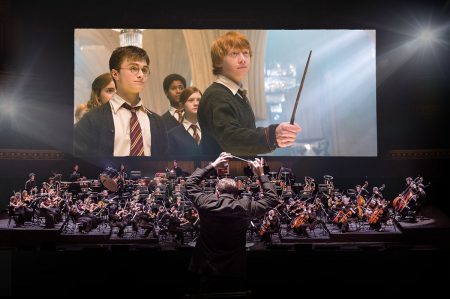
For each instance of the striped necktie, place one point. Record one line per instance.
(136, 140)
(243, 94)
(180, 115)
(195, 134)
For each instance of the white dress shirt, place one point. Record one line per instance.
(122, 117)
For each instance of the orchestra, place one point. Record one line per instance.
(158, 205)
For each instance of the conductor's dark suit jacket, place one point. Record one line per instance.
(94, 133)
(220, 248)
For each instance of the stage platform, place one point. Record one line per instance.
(432, 227)
(404, 256)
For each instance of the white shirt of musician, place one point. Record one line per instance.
(122, 117)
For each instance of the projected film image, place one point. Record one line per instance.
(187, 93)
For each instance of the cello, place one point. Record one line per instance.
(376, 215)
(300, 220)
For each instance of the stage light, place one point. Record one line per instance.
(427, 36)
(8, 108)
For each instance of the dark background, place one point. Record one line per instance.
(36, 74)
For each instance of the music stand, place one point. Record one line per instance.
(74, 188)
(323, 187)
(272, 175)
(135, 175)
(74, 177)
(171, 175)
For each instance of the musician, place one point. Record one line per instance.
(219, 254)
(248, 172)
(419, 190)
(409, 182)
(192, 216)
(286, 174)
(225, 113)
(46, 211)
(376, 193)
(75, 174)
(122, 219)
(49, 185)
(379, 215)
(270, 225)
(30, 184)
(17, 208)
(413, 200)
(176, 222)
(122, 173)
(177, 169)
(147, 219)
(27, 200)
(162, 216)
(361, 193)
(342, 218)
(85, 216)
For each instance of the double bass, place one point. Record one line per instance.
(396, 203)
(407, 198)
(360, 200)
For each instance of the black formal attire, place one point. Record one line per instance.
(182, 144)
(94, 133)
(228, 124)
(30, 185)
(179, 172)
(220, 248)
(248, 171)
(169, 120)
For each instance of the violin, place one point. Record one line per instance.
(264, 227)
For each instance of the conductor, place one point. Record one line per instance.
(219, 255)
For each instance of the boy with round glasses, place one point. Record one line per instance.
(123, 126)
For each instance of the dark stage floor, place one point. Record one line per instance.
(404, 256)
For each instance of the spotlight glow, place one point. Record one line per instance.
(427, 36)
